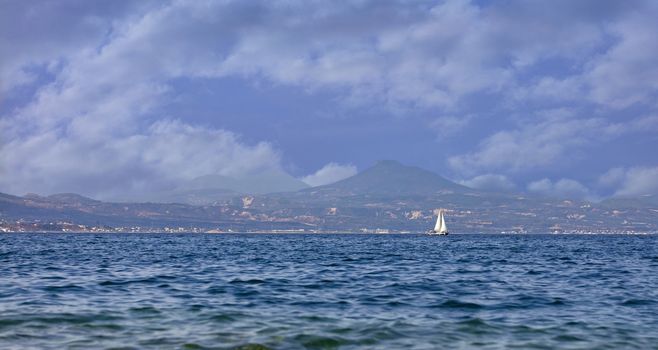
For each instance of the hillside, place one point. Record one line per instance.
(388, 196)
(216, 189)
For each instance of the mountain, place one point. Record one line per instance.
(56, 207)
(648, 200)
(389, 177)
(217, 189)
(264, 182)
(72, 199)
(389, 195)
(38, 213)
(201, 196)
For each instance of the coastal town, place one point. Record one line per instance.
(566, 219)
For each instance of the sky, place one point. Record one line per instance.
(107, 97)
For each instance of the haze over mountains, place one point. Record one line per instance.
(209, 189)
(386, 177)
(388, 196)
(389, 177)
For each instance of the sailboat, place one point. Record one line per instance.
(440, 227)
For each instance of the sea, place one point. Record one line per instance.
(328, 291)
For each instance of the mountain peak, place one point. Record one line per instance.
(393, 177)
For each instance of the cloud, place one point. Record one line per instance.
(161, 157)
(329, 173)
(447, 126)
(379, 51)
(612, 178)
(493, 182)
(44, 34)
(423, 54)
(628, 73)
(83, 78)
(100, 129)
(615, 67)
(551, 137)
(532, 146)
(563, 188)
(635, 181)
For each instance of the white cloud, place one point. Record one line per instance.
(329, 173)
(492, 182)
(422, 55)
(545, 140)
(563, 188)
(615, 67)
(532, 146)
(635, 181)
(564, 90)
(447, 126)
(628, 72)
(612, 178)
(110, 66)
(44, 34)
(98, 128)
(161, 157)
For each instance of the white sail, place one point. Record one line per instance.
(440, 226)
(437, 226)
(442, 223)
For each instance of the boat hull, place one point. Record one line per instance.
(434, 233)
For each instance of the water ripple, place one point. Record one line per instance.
(195, 291)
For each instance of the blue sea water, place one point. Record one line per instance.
(203, 291)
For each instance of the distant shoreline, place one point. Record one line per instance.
(331, 232)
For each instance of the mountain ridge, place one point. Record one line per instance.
(390, 177)
(388, 195)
